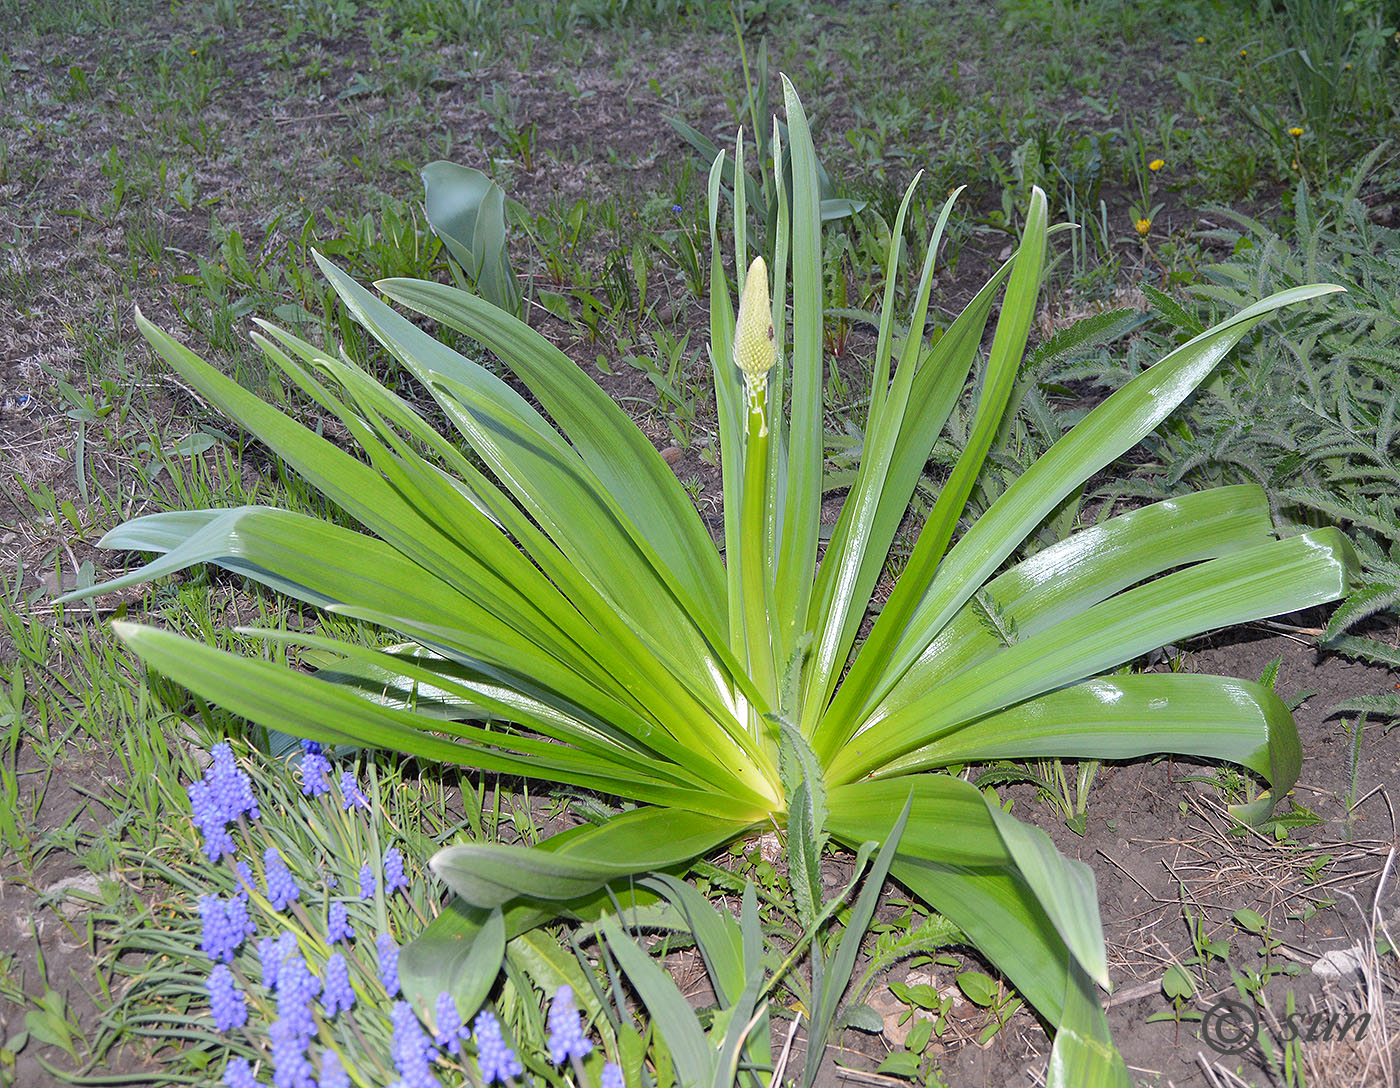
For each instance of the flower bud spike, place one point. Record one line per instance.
(754, 351)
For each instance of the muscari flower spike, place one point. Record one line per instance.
(497, 1061)
(450, 1029)
(388, 962)
(333, 1074)
(226, 925)
(394, 878)
(337, 995)
(296, 988)
(226, 1000)
(612, 1076)
(239, 1074)
(220, 798)
(272, 953)
(314, 769)
(351, 796)
(366, 881)
(566, 1039)
(290, 1066)
(413, 1057)
(338, 927)
(281, 885)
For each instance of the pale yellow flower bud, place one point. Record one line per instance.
(754, 352)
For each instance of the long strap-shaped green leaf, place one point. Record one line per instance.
(1107, 432)
(1273, 578)
(530, 467)
(521, 597)
(948, 858)
(639, 747)
(729, 400)
(334, 568)
(1126, 717)
(937, 385)
(650, 592)
(1088, 567)
(1008, 347)
(952, 824)
(293, 702)
(797, 542)
(836, 604)
(610, 443)
(487, 874)
(459, 515)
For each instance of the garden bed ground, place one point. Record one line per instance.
(186, 161)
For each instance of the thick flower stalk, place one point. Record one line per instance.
(755, 354)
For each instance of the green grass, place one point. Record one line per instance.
(189, 160)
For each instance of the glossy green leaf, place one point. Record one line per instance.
(623, 459)
(1126, 717)
(1270, 579)
(466, 209)
(490, 874)
(457, 957)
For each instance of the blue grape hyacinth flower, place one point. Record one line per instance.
(567, 1042)
(226, 925)
(281, 885)
(338, 927)
(394, 878)
(497, 1060)
(314, 769)
(220, 798)
(226, 1000)
(388, 951)
(413, 1057)
(333, 1074)
(296, 988)
(239, 1074)
(337, 995)
(450, 1029)
(351, 796)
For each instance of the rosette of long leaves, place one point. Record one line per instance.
(564, 614)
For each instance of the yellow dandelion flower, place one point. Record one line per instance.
(1295, 131)
(1155, 165)
(1244, 53)
(1201, 40)
(1143, 226)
